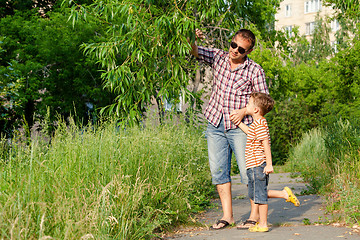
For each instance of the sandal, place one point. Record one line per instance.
(256, 228)
(292, 198)
(224, 222)
(246, 225)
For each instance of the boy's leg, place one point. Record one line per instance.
(278, 194)
(259, 196)
(262, 225)
(286, 194)
(263, 212)
(254, 213)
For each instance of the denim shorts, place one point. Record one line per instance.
(221, 145)
(258, 183)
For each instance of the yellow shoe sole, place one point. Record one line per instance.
(256, 228)
(292, 198)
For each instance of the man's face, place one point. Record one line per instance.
(234, 53)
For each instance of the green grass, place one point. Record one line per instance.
(329, 161)
(102, 182)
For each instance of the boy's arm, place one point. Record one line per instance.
(269, 167)
(243, 127)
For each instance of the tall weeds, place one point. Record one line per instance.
(308, 157)
(329, 159)
(102, 182)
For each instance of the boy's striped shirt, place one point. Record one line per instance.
(254, 152)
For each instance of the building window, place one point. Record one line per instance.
(287, 10)
(288, 31)
(335, 26)
(312, 6)
(310, 28)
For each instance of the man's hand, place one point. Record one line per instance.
(194, 49)
(199, 34)
(268, 169)
(237, 115)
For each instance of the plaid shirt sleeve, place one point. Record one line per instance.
(207, 54)
(259, 83)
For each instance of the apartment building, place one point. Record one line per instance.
(302, 13)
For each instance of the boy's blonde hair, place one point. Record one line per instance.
(263, 101)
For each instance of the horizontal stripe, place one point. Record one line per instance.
(254, 152)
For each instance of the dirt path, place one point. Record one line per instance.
(288, 222)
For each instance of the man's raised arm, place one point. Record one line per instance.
(199, 35)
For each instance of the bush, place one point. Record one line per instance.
(329, 160)
(308, 157)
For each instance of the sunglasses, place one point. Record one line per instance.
(240, 49)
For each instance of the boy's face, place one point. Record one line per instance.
(251, 109)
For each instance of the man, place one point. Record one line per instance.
(235, 77)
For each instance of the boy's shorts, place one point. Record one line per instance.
(258, 182)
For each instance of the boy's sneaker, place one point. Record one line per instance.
(256, 228)
(292, 198)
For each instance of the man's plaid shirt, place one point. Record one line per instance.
(231, 88)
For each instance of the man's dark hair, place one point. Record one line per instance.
(247, 35)
(263, 101)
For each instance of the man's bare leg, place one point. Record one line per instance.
(224, 191)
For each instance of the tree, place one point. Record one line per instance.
(9, 7)
(144, 54)
(300, 49)
(345, 8)
(42, 68)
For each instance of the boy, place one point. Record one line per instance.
(259, 162)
